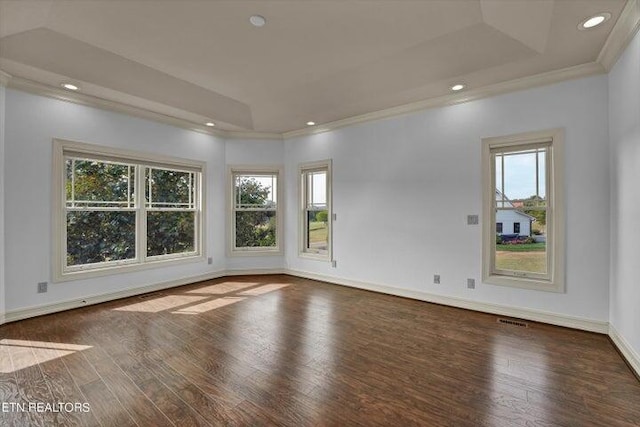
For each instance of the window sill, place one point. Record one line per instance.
(255, 252)
(315, 256)
(524, 283)
(125, 268)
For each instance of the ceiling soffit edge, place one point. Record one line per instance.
(621, 34)
(624, 30)
(4, 78)
(550, 77)
(41, 89)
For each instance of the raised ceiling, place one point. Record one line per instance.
(314, 60)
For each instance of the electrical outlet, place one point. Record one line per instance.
(334, 263)
(436, 279)
(472, 219)
(42, 287)
(209, 260)
(471, 283)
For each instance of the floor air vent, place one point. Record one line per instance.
(513, 322)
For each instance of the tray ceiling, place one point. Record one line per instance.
(320, 61)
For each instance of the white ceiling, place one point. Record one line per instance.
(316, 60)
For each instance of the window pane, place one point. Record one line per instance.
(99, 183)
(100, 236)
(317, 230)
(170, 232)
(257, 191)
(167, 188)
(317, 189)
(255, 229)
(523, 251)
(520, 177)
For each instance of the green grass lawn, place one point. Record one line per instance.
(533, 262)
(529, 257)
(318, 233)
(525, 247)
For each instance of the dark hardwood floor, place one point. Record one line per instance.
(278, 350)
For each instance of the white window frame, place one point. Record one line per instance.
(62, 149)
(304, 251)
(268, 170)
(554, 280)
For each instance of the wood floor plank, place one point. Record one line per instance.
(141, 409)
(105, 406)
(33, 387)
(135, 365)
(278, 350)
(67, 397)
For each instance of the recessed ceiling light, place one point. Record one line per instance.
(594, 21)
(457, 87)
(210, 124)
(69, 86)
(311, 123)
(257, 21)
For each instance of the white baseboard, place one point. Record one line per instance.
(521, 313)
(25, 313)
(633, 358)
(254, 272)
(625, 348)
(12, 316)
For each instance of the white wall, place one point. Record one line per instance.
(624, 133)
(402, 188)
(249, 153)
(2, 174)
(31, 123)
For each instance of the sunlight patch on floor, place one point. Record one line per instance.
(156, 305)
(20, 354)
(262, 290)
(209, 305)
(222, 288)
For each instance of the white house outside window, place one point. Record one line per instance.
(523, 242)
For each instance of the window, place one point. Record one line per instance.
(316, 215)
(118, 210)
(255, 221)
(522, 183)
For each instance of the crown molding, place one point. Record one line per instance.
(623, 31)
(4, 78)
(37, 88)
(620, 36)
(253, 135)
(550, 77)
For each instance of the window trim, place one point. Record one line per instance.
(278, 250)
(304, 168)
(556, 231)
(63, 147)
